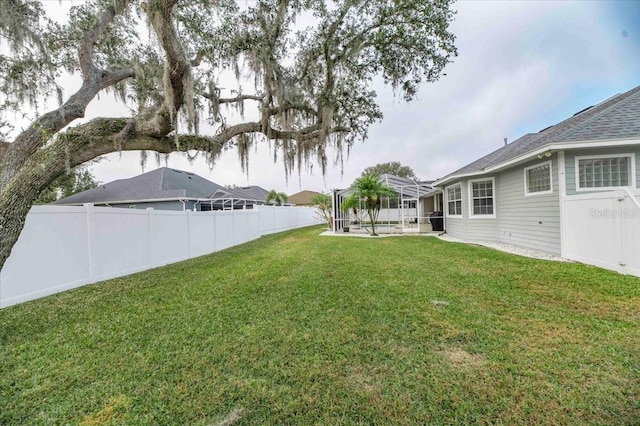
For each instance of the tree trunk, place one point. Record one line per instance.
(373, 222)
(16, 200)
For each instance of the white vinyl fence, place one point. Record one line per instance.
(603, 229)
(61, 248)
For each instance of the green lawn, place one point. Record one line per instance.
(301, 329)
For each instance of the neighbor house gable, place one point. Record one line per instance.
(163, 184)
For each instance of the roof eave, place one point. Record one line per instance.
(554, 146)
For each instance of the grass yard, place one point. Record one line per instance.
(301, 329)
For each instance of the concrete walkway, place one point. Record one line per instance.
(507, 248)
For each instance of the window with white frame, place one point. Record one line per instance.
(454, 200)
(537, 179)
(482, 197)
(609, 171)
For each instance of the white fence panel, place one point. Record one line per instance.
(50, 256)
(202, 233)
(267, 220)
(118, 242)
(254, 225)
(170, 242)
(603, 229)
(224, 230)
(241, 227)
(66, 247)
(277, 219)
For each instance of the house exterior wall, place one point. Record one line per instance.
(157, 205)
(456, 226)
(482, 229)
(467, 227)
(570, 164)
(531, 221)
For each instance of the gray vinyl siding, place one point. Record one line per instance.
(528, 221)
(158, 205)
(570, 164)
(482, 229)
(470, 228)
(456, 226)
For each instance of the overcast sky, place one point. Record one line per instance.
(522, 66)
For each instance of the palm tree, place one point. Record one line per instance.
(369, 190)
(277, 197)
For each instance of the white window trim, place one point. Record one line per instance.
(526, 183)
(446, 200)
(632, 166)
(470, 191)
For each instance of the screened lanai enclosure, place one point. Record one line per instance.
(239, 198)
(415, 208)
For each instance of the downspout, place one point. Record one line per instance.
(184, 205)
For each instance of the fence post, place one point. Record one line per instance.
(621, 219)
(90, 239)
(214, 237)
(233, 226)
(259, 210)
(150, 227)
(189, 250)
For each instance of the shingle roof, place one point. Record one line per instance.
(615, 118)
(163, 183)
(253, 193)
(302, 197)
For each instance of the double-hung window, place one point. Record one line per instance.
(454, 200)
(537, 179)
(482, 196)
(606, 171)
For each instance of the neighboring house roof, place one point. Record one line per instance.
(302, 198)
(615, 118)
(163, 183)
(250, 193)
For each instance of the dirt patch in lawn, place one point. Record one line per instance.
(362, 380)
(462, 359)
(289, 240)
